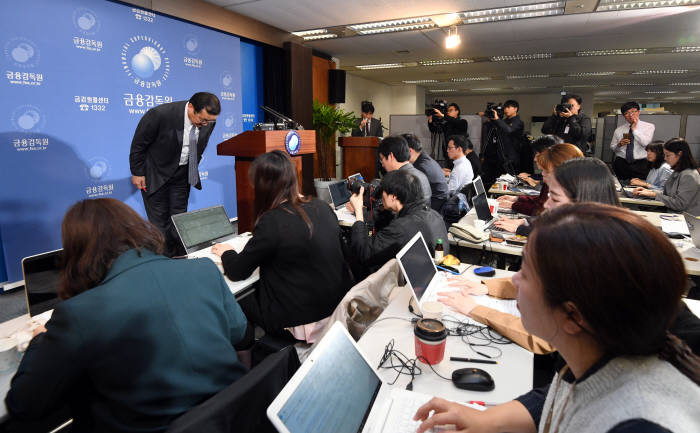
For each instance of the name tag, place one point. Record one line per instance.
(566, 130)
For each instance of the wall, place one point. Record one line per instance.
(319, 70)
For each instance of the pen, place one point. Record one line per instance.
(482, 403)
(447, 270)
(478, 361)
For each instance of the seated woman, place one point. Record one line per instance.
(548, 160)
(576, 180)
(138, 339)
(660, 170)
(682, 189)
(296, 244)
(401, 192)
(608, 316)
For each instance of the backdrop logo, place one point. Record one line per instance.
(28, 118)
(229, 120)
(227, 79)
(22, 52)
(144, 60)
(191, 45)
(86, 21)
(97, 169)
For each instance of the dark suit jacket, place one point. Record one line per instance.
(157, 144)
(153, 340)
(375, 128)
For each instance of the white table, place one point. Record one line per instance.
(512, 375)
(496, 247)
(685, 247)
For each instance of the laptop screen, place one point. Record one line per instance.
(336, 394)
(479, 185)
(41, 280)
(481, 205)
(340, 194)
(417, 265)
(204, 225)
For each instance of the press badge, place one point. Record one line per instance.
(566, 130)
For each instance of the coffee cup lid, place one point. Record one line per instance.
(430, 329)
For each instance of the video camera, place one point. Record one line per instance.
(491, 107)
(440, 105)
(373, 193)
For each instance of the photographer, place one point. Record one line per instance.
(504, 133)
(444, 122)
(367, 126)
(569, 123)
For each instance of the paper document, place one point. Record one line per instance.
(679, 226)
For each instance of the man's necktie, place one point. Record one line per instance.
(367, 128)
(629, 152)
(192, 166)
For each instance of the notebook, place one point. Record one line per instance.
(693, 227)
(418, 267)
(41, 273)
(337, 390)
(200, 229)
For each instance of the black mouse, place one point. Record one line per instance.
(473, 379)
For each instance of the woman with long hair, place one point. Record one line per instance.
(659, 170)
(296, 244)
(138, 338)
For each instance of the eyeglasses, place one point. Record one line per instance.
(630, 112)
(451, 147)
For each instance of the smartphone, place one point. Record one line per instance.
(626, 135)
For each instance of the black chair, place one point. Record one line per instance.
(241, 406)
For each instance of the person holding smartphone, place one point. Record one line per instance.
(629, 143)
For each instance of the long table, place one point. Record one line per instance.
(629, 201)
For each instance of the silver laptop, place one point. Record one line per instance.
(481, 205)
(418, 267)
(337, 390)
(200, 229)
(693, 227)
(41, 273)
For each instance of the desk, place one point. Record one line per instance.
(640, 202)
(685, 247)
(512, 374)
(496, 247)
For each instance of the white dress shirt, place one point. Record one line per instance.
(643, 135)
(186, 139)
(460, 175)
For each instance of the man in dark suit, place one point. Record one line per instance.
(368, 126)
(164, 158)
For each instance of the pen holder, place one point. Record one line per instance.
(430, 336)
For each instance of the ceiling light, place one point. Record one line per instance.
(445, 20)
(317, 37)
(661, 71)
(486, 89)
(452, 40)
(615, 5)
(536, 56)
(419, 81)
(660, 92)
(684, 84)
(530, 87)
(686, 50)
(471, 79)
(695, 91)
(310, 32)
(514, 13)
(381, 66)
(680, 97)
(442, 90)
(393, 26)
(576, 86)
(635, 84)
(611, 52)
(445, 62)
(590, 74)
(517, 77)
(613, 92)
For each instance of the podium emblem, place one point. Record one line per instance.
(292, 142)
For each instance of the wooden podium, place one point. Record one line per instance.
(249, 144)
(359, 155)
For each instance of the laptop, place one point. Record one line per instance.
(41, 273)
(200, 229)
(693, 227)
(337, 390)
(418, 268)
(481, 205)
(340, 195)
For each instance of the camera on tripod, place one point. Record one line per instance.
(491, 107)
(441, 106)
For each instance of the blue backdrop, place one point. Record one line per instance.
(77, 77)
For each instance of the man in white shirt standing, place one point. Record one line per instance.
(462, 172)
(629, 143)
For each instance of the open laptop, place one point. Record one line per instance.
(337, 390)
(200, 229)
(41, 273)
(693, 227)
(481, 205)
(418, 267)
(340, 195)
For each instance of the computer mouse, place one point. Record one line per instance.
(485, 271)
(473, 379)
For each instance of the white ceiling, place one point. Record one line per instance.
(646, 28)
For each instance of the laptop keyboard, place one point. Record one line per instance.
(404, 406)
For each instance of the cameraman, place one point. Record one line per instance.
(443, 125)
(504, 133)
(569, 123)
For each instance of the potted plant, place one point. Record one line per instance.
(327, 120)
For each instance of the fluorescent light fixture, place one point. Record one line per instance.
(624, 52)
(396, 29)
(684, 84)
(486, 89)
(452, 40)
(635, 84)
(661, 71)
(442, 90)
(471, 79)
(612, 92)
(419, 81)
(695, 91)
(660, 92)
(518, 77)
(310, 32)
(401, 25)
(381, 66)
(681, 97)
(535, 56)
(318, 37)
(514, 13)
(529, 87)
(581, 86)
(686, 50)
(590, 74)
(616, 5)
(445, 62)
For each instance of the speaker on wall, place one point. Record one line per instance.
(336, 86)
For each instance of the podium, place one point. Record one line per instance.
(249, 144)
(359, 155)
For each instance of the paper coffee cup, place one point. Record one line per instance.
(432, 310)
(493, 206)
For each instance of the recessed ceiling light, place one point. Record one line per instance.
(445, 62)
(471, 79)
(634, 84)
(514, 13)
(310, 32)
(695, 91)
(442, 90)
(486, 89)
(590, 74)
(681, 97)
(623, 52)
(660, 92)
(419, 81)
(577, 86)
(513, 57)
(381, 66)
(686, 50)
(684, 84)
(615, 5)
(529, 87)
(661, 71)
(518, 77)
(393, 25)
(317, 37)
(613, 92)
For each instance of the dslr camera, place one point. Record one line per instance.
(563, 106)
(373, 193)
(491, 107)
(440, 105)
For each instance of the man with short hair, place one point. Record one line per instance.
(394, 155)
(165, 152)
(431, 169)
(502, 142)
(629, 143)
(462, 173)
(367, 125)
(569, 123)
